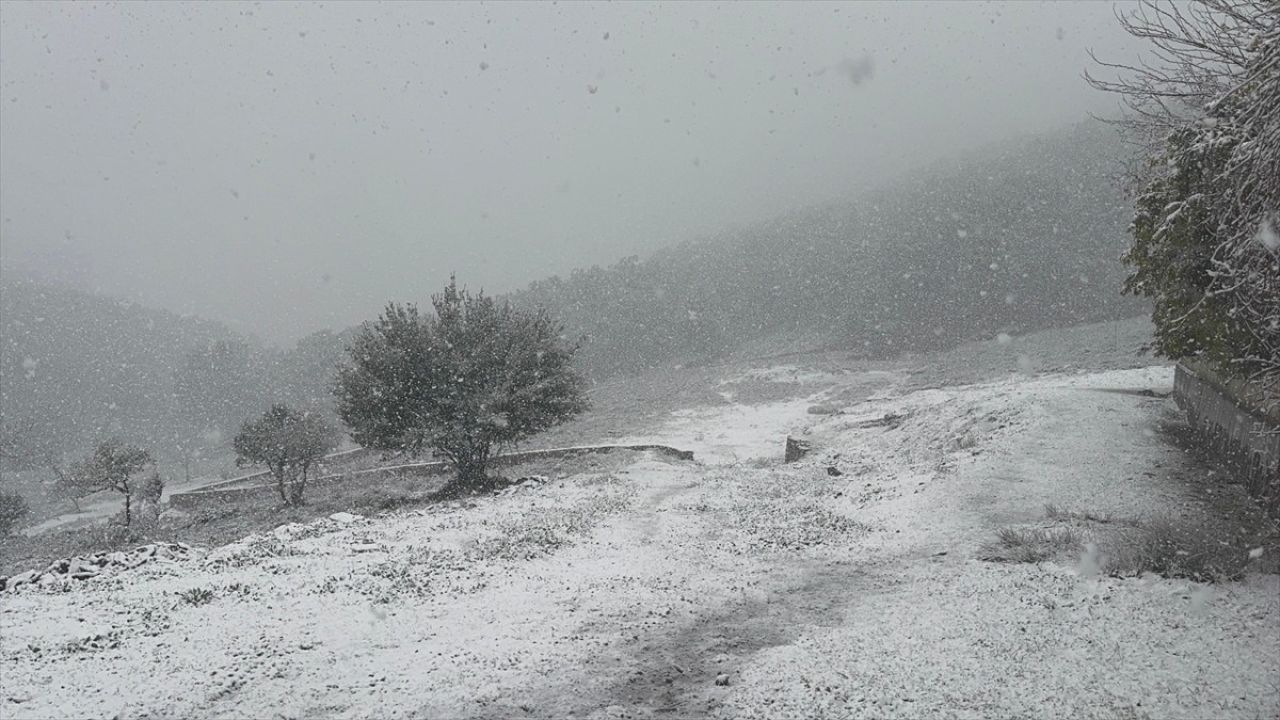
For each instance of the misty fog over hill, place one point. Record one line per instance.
(1022, 236)
(77, 366)
(706, 184)
(286, 168)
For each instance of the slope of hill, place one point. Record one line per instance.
(1020, 237)
(76, 368)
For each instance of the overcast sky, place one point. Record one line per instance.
(290, 167)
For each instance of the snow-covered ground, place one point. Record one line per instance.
(845, 585)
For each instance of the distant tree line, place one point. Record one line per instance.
(75, 368)
(1021, 236)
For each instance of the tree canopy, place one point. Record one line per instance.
(112, 466)
(472, 378)
(1206, 230)
(289, 443)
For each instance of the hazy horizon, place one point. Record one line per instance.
(288, 168)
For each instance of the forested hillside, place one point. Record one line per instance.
(1018, 237)
(77, 367)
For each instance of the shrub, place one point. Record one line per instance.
(149, 493)
(152, 489)
(196, 596)
(474, 378)
(1205, 238)
(13, 508)
(1033, 545)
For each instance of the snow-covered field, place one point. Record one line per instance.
(848, 584)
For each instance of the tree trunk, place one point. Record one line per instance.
(279, 473)
(297, 487)
(471, 467)
(127, 510)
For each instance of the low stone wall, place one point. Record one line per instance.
(1239, 425)
(219, 494)
(342, 462)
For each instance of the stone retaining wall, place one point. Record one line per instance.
(264, 491)
(343, 459)
(1239, 425)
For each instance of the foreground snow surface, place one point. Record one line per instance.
(735, 588)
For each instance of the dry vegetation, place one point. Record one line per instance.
(228, 522)
(1130, 547)
(222, 524)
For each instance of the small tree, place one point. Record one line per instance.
(111, 467)
(289, 443)
(149, 493)
(474, 378)
(13, 508)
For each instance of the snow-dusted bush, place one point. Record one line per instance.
(1207, 227)
(196, 596)
(473, 378)
(148, 493)
(13, 508)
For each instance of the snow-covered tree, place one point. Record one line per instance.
(289, 443)
(111, 466)
(13, 508)
(473, 378)
(1207, 227)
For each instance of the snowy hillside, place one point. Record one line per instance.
(865, 580)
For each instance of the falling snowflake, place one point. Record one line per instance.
(1268, 236)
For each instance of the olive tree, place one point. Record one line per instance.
(474, 377)
(112, 466)
(289, 443)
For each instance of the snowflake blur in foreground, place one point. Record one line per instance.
(1268, 236)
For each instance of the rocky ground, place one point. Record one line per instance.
(874, 578)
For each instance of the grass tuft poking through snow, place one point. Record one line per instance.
(1176, 549)
(1125, 547)
(196, 596)
(1059, 514)
(1034, 545)
(541, 531)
